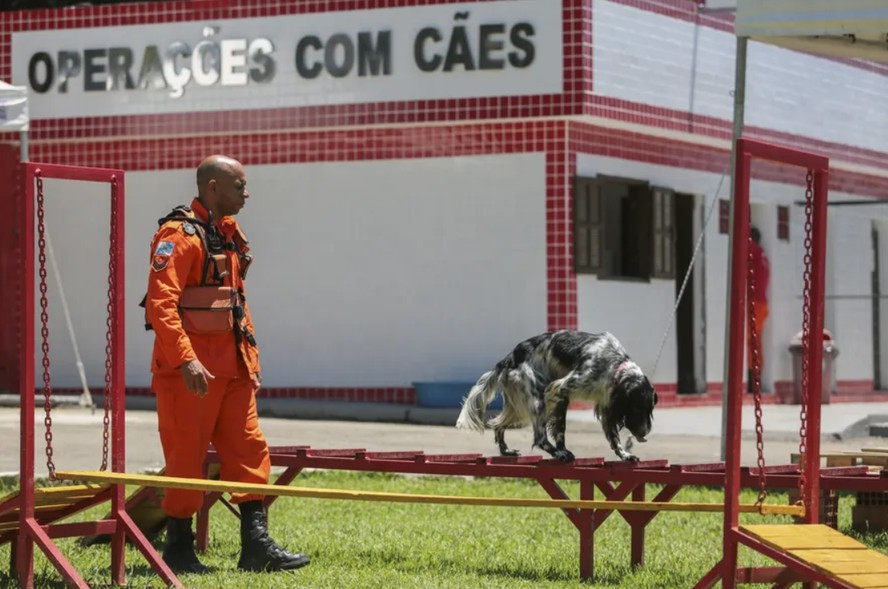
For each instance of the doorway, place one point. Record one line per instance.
(688, 321)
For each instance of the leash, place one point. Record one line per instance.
(687, 277)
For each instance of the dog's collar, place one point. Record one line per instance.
(621, 368)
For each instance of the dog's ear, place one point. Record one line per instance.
(619, 405)
(656, 398)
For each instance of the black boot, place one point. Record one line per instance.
(178, 552)
(258, 551)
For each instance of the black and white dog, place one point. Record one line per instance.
(543, 374)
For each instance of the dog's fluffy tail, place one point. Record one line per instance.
(475, 403)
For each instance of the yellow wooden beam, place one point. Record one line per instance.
(282, 490)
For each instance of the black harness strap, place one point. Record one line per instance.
(212, 245)
(209, 237)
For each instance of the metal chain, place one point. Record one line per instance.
(806, 333)
(109, 322)
(44, 323)
(756, 375)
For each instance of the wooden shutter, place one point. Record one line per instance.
(783, 223)
(587, 226)
(638, 235)
(663, 230)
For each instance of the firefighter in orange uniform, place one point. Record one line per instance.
(761, 271)
(205, 365)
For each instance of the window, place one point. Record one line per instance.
(783, 223)
(724, 216)
(623, 229)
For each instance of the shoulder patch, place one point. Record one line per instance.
(158, 263)
(164, 248)
(188, 228)
(161, 257)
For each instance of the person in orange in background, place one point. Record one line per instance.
(761, 275)
(205, 365)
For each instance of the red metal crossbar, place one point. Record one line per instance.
(616, 481)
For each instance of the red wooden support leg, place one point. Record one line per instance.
(118, 557)
(709, 579)
(118, 539)
(69, 573)
(202, 532)
(729, 560)
(24, 560)
(638, 525)
(13, 547)
(154, 560)
(285, 479)
(587, 533)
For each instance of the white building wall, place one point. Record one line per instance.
(639, 312)
(367, 273)
(850, 263)
(653, 59)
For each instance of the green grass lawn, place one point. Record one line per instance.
(365, 545)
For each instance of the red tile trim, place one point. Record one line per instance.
(426, 111)
(561, 280)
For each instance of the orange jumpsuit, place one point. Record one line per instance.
(761, 269)
(227, 415)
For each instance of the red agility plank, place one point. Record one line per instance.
(333, 452)
(511, 460)
(710, 467)
(576, 462)
(448, 457)
(776, 469)
(628, 465)
(389, 455)
(286, 449)
(845, 471)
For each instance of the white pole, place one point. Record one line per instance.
(23, 147)
(85, 397)
(739, 104)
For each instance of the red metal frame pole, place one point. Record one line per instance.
(24, 554)
(815, 346)
(586, 527)
(118, 384)
(637, 525)
(31, 533)
(737, 325)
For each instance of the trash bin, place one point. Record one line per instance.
(830, 351)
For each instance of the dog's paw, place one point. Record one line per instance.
(510, 452)
(629, 457)
(564, 455)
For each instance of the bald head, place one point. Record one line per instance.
(221, 185)
(214, 167)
